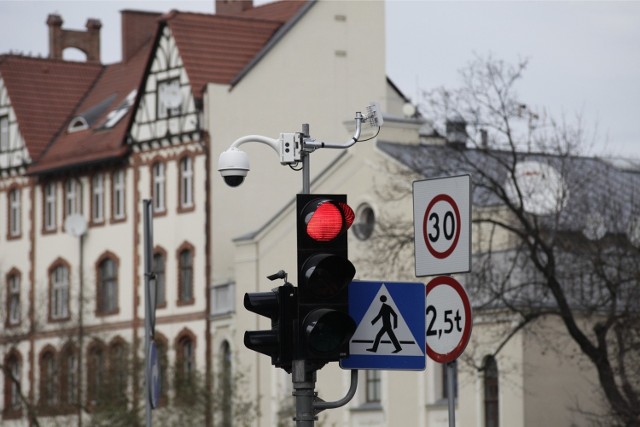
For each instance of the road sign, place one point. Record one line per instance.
(442, 225)
(448, 318)
(391, 326)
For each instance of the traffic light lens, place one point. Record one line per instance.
(328, 220)
(328, 330)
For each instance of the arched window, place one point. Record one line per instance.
(107, 286)
(59, 282)
(68, 376)
(226, 381)
(185, 367)
(163, 358)
(96, 373)
(159, 267)
(12, 385)
(491, 393)
(185, 275)
(118, 370)
(48, 378)
(13, 297)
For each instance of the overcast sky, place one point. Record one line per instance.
(583, 56)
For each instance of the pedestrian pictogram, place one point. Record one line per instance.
(442, 225)
(390, 326)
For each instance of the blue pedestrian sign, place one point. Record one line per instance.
(390, 332)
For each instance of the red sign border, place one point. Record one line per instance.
(441, 198)
(466, 333)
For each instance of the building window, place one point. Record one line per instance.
(169, 98)
(185, 367)
(73, 197)
(226, 379)
(186, 183)
(372, 386)
(15, 209)
(222, 298)
(364, 222)
(49, 199)
(48, 379)
(491, 393)
(97, 198)
(118, 370)
(159, 265)
(158, 187)
(163, 358)
(12, 385)
(445, 384)
(107, 289)
(69, 376)
(96, 371)
(13, 298)
(4, 133)
(118, 196)
(185, 277)
(59, 293)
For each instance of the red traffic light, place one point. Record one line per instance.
(327, 219)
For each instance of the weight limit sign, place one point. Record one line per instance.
(442, 221)
(448, 319)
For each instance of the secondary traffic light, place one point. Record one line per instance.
(324, 274)
(278, 305)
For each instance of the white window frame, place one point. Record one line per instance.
(15, 212)
(60, 293)
(186, 182)
(13, 285)
(49, 206)
(222, 299)
(97, 194)
(159, 187)
(118, 201)
(73, 197)
(4, 133)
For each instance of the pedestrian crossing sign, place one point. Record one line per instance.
(390, 332)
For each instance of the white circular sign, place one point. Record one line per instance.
(448, 319)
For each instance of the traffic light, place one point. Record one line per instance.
(324, 274)
(278, 305)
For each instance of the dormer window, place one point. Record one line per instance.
(169, 98)
(77, 124)
(116, 115)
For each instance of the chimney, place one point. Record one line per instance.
(87, 41)
(137, 28)
(456, 128)
(232, 7)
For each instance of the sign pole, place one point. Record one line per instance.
(450, 367)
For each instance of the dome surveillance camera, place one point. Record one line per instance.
(233, 165)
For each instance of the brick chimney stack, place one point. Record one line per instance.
(137, 28)
(232, 7)
(87, 41)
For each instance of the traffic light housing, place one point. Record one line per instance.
(278, 305)
(324, 326)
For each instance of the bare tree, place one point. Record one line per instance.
(556, 230)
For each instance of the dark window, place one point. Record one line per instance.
(96, 371)
(69, 376)
(107, 286)
(491, 393)
(159, 271)
(59, 293)
(12, 385)
(185, 261)
(48, 379)
(13, 298)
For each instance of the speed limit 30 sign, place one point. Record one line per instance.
(442, 225)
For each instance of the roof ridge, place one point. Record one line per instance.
(173, 13)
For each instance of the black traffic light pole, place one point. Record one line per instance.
(303, 372)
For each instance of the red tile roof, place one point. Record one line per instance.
(98, 143)
(44, 93)
(215, 48)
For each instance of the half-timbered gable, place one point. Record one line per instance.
(13, 152)
(167, 112)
